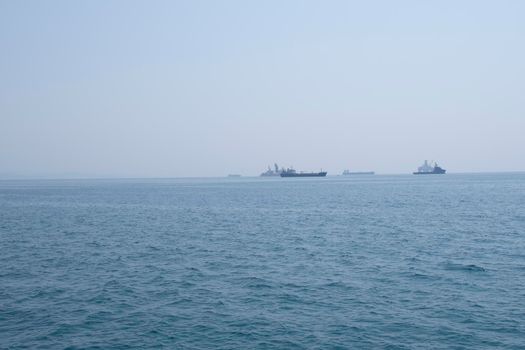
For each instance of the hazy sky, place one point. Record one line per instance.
(207, 88)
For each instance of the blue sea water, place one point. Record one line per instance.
(394, 262)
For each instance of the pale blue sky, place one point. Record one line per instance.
(206, 88)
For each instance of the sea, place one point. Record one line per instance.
(342, 262)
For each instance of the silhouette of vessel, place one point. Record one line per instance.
(271, 172)
(292, 173)
(427, 169)
(348, 172)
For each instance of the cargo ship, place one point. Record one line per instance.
(427, 169)
(292, 173)
(348, 172)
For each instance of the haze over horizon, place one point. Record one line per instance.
(202, 88)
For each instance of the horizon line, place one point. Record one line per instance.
(51, 178)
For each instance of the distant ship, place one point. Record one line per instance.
(292, 173)
(427, 169)
(234, 175)
(271, 172)
(348, 172)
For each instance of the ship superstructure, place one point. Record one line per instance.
(428, 169)
(273, 172)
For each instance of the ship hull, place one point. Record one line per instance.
(320, 174)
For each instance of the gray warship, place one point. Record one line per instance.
(272, 172)
(428, 169)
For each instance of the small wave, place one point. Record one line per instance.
(420, 276)
(255, 282)
(464, 267)
(337, 284)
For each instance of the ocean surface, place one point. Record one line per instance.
(361, 262)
